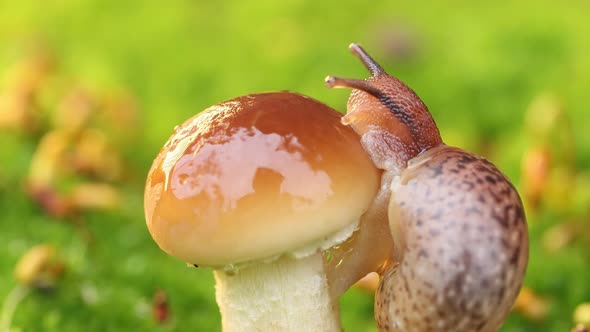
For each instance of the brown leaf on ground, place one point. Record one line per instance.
(531, 305)
(160, 307)
(39, 267)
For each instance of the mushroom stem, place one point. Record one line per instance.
(288, 294)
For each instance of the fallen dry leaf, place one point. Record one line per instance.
(39, 267)
(531, 305)
(160, 308)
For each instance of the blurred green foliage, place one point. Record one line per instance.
(477, 66)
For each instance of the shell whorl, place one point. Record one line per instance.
(461, 246)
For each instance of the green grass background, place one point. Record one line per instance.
(477, 67)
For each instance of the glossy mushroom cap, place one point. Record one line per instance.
(256, 177)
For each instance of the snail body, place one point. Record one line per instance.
(460, 241)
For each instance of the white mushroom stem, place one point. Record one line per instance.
(288, 294)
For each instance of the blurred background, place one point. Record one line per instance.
(91, 89)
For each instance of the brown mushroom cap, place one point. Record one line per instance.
(255, 177)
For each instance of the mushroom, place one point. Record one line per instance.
(264, 189)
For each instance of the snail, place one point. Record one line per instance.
(460, 241)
